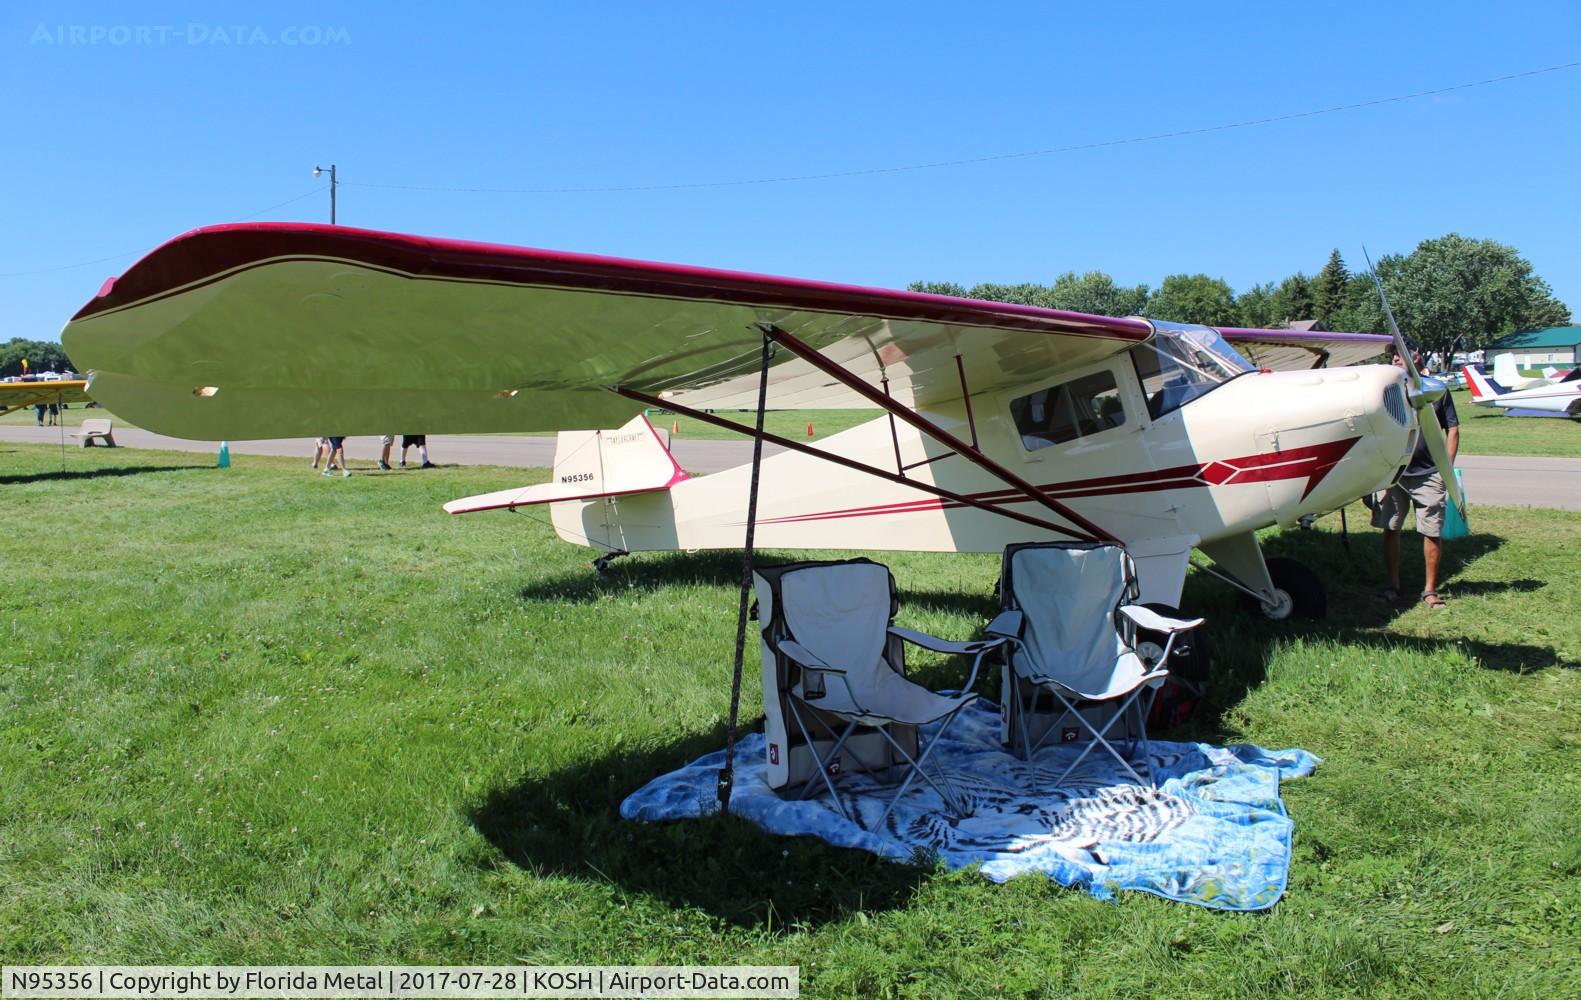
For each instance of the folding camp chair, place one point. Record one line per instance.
(834, 664)
(1071, 620)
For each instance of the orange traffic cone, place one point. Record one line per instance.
(675, 428)
(809, 428)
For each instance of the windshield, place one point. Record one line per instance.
(1183, 362)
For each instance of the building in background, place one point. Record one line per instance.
(1552, 345)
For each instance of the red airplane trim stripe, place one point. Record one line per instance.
(1312, 463)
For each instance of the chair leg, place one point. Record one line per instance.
(1097, 739)
(916, 768)
(823, 768)
(1147, 745)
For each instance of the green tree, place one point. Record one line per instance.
(1257, 307)
(1455, 293)
(1024, 294)
(1292, 300)
(1093, 292)
(41, 355)
(1328, 291)
(1097, 294)
(1194, 298)
(938, 288)
(1362, 312)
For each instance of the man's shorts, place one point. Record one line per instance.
(414, 441)
(387, 440)
(1425, 493)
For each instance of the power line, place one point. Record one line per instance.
(996, 157)
(129, 253)
(288, 201)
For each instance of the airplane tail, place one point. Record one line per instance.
(1482, 387)
(592, 464)
(1510, 377)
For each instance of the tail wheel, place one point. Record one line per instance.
(1298, 593)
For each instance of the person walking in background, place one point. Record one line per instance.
(39, 409)
(54, 414)
(320, 450)
(386, 443)
(337, 449)
(420, 442)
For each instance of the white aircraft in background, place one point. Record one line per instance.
(1538, 397)
(1508, 375)
(996, 423)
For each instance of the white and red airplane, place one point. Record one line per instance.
(1537, 397)
(995, 423)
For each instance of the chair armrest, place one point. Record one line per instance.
(801, 654)
(1007, 624)
(938, 645)
(1153, 621)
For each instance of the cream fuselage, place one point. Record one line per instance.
(1259, 450)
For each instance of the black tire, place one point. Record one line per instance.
(1302, 594)
(1191, 657)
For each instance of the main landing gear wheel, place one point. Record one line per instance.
(1189, 657)
(1298, 593)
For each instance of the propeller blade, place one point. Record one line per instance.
(1423, 393)
(1413, 377)
(1438, 447)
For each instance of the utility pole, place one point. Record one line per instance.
(333, 182)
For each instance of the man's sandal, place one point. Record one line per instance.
(1433, 601)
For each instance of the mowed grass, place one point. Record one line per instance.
(258, 716)
(785, 423)
(72, 416)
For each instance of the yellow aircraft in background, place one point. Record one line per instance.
(21, 395)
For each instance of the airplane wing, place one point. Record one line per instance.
(20, 395)
(1291, 350)
(269, 329)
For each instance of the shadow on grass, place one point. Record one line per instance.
(105, 473)
(652, 572)
(1241, 641)
(567, 824)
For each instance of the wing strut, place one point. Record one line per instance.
(969, 452)
(806, 449)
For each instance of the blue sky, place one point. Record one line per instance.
(130, 125)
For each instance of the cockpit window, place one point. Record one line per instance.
(1076, 409)
(1183, 362)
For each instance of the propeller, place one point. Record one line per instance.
(1423, 392)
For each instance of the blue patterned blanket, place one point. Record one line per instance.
(1215, 832)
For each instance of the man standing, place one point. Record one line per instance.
(1422, 487)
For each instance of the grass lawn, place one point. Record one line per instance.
(72, 416)
(256, 716)
(1486, 430)
(785, 423)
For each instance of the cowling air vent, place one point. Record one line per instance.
(1394, 402)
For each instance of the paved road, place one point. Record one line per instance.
(1490, 479)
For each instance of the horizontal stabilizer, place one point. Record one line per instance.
(591, 464)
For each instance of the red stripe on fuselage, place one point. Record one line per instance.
(1311, 463)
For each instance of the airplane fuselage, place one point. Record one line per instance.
(1261, 449)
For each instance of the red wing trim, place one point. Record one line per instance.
(205, 254)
